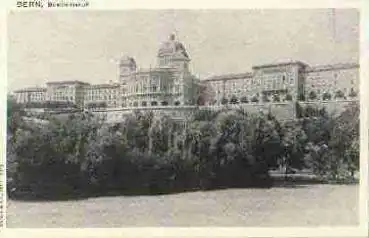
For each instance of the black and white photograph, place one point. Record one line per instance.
(183, 118)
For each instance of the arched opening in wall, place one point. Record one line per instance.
(177, 103)
(144, 103)
(154, 103)
(124, 105)
(234, 100)
(164, 103)
(135, 104)
(276, 98)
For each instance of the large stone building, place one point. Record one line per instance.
(66, 91)
(340, 81)
(277, 87)
(28, 95)
(171, 88)
(170, 83)
(285, 82)
(102, 95)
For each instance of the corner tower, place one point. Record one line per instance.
(127, 66)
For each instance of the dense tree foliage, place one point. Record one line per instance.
(149, 153)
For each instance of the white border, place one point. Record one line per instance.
(202, 4)
(3, 90)
(362, 230)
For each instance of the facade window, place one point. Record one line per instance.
(154, 103)
(154, 88)
(135, 104)
(144, 103)
(177, 103)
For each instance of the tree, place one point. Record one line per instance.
(344, 139)
(352, 157)
(313, 95)
(353, 93)
(327, 96)
(14, 116)
(244, 99)
(254, 99)
(206, 94)
(294, 141)
(299, 110)
(198, 140)
(265, 98)
(268, 136)
(224, 101)
(339, 94)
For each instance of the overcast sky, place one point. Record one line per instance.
(85, 45)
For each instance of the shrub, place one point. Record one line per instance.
(208, 150)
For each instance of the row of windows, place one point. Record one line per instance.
(153, 88)
(321, 91)
(246, 83)
(31, 95)
(149, 80)
(153, 103)
(267, 80)
(100, 97)
(62, 98)
(99, 93)
(329, 82)
(256, 82)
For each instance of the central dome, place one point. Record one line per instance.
(171, 47)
